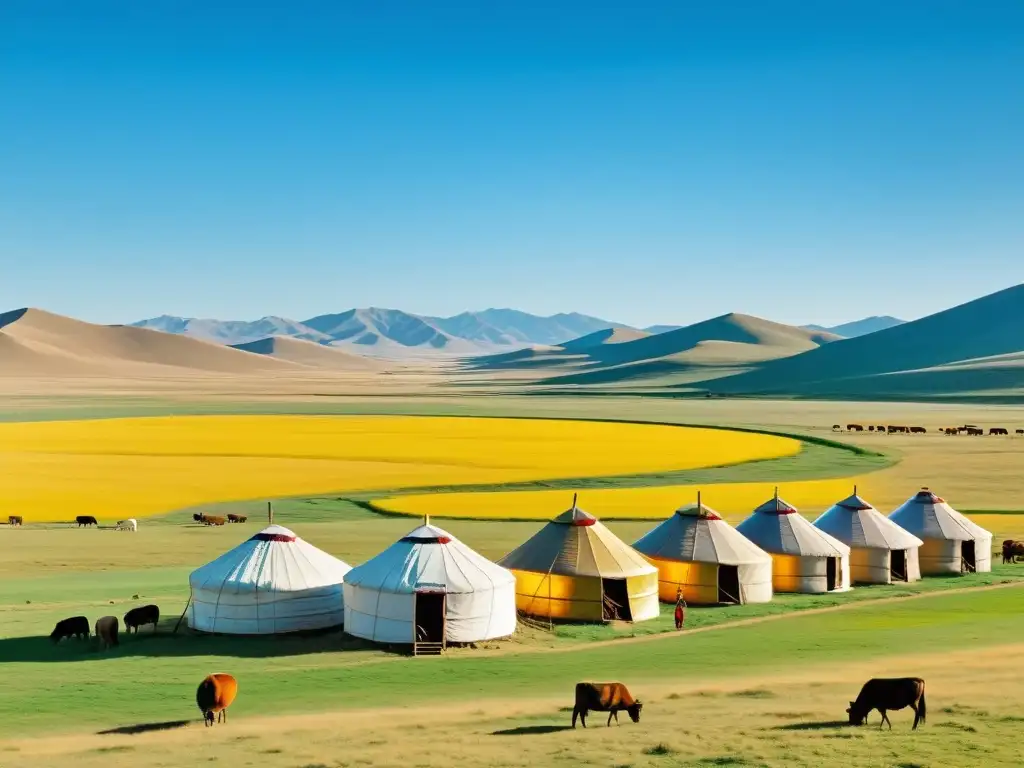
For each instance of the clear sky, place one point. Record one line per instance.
(643, 162)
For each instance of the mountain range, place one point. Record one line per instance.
(393, 332)
(860, 327)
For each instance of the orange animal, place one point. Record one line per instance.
(215, 695)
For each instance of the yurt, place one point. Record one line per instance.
(575, 569)
(804, 558)
(429, 589)
(880, 551)
(952, 543)
(272, 583)
(698, 552)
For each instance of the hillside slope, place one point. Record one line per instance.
(310, 354)
(35, 342)
(956, 350)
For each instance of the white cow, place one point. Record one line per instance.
(131, 524)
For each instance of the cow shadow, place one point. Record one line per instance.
(532, 730)
(131, 730)
(820, 725)
(166, 643)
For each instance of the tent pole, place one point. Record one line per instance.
(183, 613)
(270, 513)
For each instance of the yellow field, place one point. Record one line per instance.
(734, 500)
(117, 468)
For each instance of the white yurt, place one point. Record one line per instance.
(952, 542)
(429, 587)
(272, 583)
(880, 551)
(698, 552)
(804, 558)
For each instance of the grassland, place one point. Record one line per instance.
(725, 692)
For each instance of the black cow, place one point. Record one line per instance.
(889, 693)
(139, 617)
(76, 626)
(85, 520)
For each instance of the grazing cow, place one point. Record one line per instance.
(213, 520)
(880, 429)
(1012, 550)
(951, 431)
(106, 632)
(76, 626)
(199, 517)
(975, 431)
(131, 524)
(15, 520)
(237, 518)
(139, 617)
(604, 697)
(886, 694)
(836, 428)
(998, 431)
(918, 431)
(215, 695)
(900, 429)
(1020, 431)
(854, 428)
(85, 520)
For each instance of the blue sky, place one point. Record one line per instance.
(644, 162)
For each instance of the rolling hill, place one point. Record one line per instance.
(311, 354)
(972, 347)
(34, 342)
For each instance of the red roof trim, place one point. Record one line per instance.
(584, 521)
(273, 537)
(427, 539)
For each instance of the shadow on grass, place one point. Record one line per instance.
(129, 730)
(820, 725)
(532, 730)
(165, 644)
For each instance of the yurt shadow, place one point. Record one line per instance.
(165, 644)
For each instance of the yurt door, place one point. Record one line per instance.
(616, 600)
(430, 629)
(969, 564)
(898, 565)
(831, 570)
(728, 584)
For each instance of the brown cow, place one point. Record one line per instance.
(213, 520)
(1012, 550)
(918, 431)
(85, 520)
(998, 431)
(880, 429)
(139, 617)
(854, 428)
(15, 520)
(884, 694)
(604, 697)
(215, 695)
(76, 626)
(106, 632)
(237, 518)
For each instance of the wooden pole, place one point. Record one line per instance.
(270, 513)
(183, 613)
(699, 506)
(574, 502)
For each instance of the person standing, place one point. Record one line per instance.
(680, 613)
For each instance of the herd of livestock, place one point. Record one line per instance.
(897, 429)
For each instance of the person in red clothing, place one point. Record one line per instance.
(680, 609)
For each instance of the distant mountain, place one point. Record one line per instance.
(860, 327)
(373, 330)
(973, 347)
(310, 354)
(717, 347)
(655, 329)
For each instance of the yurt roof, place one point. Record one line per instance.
(696, 533)
(929, 516)
(857, 523)
(429, 558)
(778, 528)
(577, 544)
(275, 559)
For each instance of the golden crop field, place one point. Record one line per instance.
(116, 468)
(735, 500)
